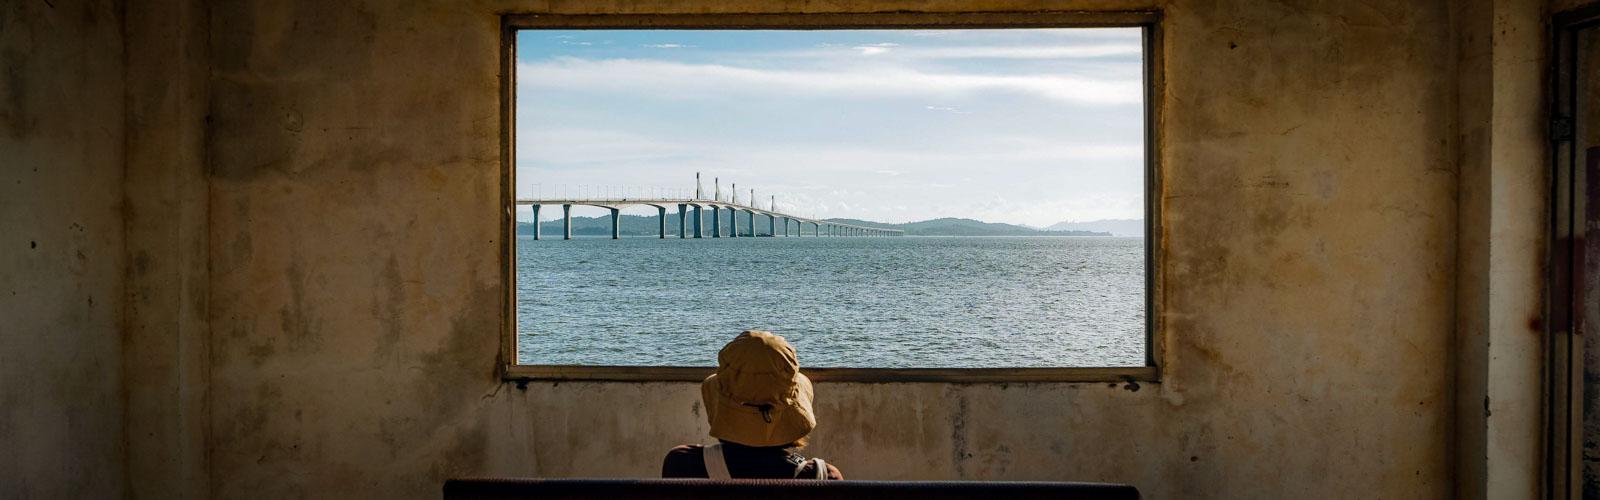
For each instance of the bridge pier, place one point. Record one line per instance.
(683, 216)
(699, 222)
(772, 225)
(616, 223)
(716, 221)
(733, 222)
(535, 222)
(566, 222)
(662, 212)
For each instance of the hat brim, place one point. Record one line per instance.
(744, 424)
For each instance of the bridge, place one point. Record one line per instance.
(717, 203)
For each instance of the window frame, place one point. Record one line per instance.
(1148, 20)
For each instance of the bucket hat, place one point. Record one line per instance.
(758, 397)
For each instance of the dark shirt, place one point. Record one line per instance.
(744, 462)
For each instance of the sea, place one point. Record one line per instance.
(884, 302)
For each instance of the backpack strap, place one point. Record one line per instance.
(716, 464)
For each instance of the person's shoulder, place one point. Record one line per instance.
(684, 461)
(810, 470)
(686, 449)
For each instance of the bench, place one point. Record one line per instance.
(764, 489)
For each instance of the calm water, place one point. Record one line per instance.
(857, 302)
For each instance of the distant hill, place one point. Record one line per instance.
(1117, 227)
(950, 226)
(641, 225)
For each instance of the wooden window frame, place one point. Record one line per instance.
(1148, 21)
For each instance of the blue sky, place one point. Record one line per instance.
(1029, 126)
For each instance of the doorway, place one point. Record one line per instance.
(1573, 311)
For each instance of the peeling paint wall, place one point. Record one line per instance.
(1310, 246)
(61, 249)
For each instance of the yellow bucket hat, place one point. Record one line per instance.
(758, 396)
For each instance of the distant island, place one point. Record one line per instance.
(1117, 227)
(644, 225)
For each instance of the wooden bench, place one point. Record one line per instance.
(764, 489)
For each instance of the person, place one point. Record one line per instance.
(759, 407)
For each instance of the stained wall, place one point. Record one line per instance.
(61, 250)
(1501, 224)
(1308, 271)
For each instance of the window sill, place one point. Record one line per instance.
(525, 373)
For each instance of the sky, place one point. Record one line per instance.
(1023, 126)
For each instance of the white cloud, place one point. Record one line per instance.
(873, 49)
(684, 79)
(667, 46)
(973, 52)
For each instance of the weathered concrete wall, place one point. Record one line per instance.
(61, 249)
(1501, 228)
(1309, 299)
(165, 356)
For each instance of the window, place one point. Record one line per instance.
(904, 197)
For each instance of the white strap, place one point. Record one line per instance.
(716, 464)
(822, 469)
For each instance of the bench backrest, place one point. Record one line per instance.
(765, 489)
